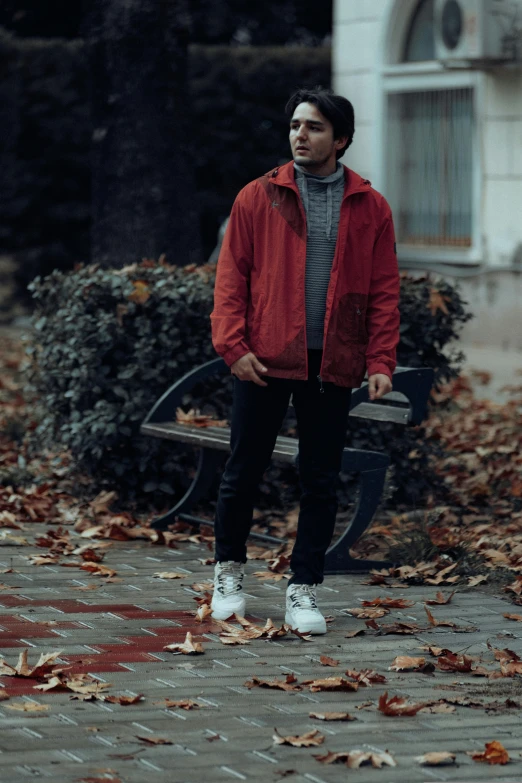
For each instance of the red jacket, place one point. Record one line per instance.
(259, 298)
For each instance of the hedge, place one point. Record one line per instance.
(107, 343)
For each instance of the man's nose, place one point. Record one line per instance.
(301, 133)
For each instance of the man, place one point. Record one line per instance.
(306, 299)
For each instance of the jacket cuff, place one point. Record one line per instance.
(235, 353)
(379, 367)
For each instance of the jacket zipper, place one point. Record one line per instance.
(321, 390)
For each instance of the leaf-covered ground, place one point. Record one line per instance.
(476, 538)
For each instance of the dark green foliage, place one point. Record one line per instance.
(240, 129)
(100, 361)
(239, 132)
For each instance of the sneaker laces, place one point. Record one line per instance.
(229, 577)
(303, 597)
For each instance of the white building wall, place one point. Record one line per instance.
(364, 39)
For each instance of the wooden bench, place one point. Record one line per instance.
(406, 405)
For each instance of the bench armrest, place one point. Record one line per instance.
(165, 408)
(413, 382)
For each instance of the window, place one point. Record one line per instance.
(430, 171)
(420, 40)
(429, 147)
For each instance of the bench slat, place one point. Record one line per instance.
(213, 437)
(369, 410)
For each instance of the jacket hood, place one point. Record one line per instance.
(285, 176)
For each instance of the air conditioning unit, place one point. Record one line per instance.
(475, 32)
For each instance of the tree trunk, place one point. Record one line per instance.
(143, 189)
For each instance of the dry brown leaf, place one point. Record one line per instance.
(288, 684)
(188, 647)
(310, 739)
(331, 684)
(510, 616)
(124, 700)
(184, 704)
(365, 676)
(440, 599)
(351, 634)
(450, 662)
(203, 612)
(264, 575)
(404, 663)
(399, 627)
(22, 669)
(331, 716)
(435, 622)
(28, 706)
(390, 603)
(473, 581)
(436, 758)
(355, 758)
(98, 570)
(369, 612)
(195, 419)
(495, 753)
(150, 739)
(3, 694)
(326, 661)
(396, 706)
(170, 575)
(39, 560)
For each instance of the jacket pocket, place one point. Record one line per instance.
(350, 319)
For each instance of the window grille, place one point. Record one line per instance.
(430, 139)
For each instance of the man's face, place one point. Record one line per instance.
(312, 139)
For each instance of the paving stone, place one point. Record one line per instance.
(117, 633)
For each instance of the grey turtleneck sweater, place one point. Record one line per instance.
(321, 198)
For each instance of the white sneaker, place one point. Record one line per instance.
(302, 613)
(228, 586)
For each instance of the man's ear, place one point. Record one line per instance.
(340, 142)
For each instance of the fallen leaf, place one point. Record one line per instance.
(355, 758)
(170, 575)
(184, 704)
(450, 662)
(308, 740)
(440, 599)
(187, 648)
(150, 739)
(351, 634)
(390, 603)
(436, 758)
(326, 661)
(331, 716)
(365, 676)
(396, 706)
(124, 700)
(28, 706)
(22, 669)
(99, 570)
(370, 612)
(331, 684)
(203, 612)
(288, 684)
(408, 663)
(509, 616)
(495, 753)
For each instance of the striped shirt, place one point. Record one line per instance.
(321, 197)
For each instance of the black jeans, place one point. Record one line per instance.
(257, 415)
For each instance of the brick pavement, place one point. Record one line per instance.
(117, 633)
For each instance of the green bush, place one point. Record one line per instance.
(107, 343)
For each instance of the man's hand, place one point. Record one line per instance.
(247, 369)
(378, 385)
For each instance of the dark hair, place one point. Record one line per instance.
(334, 107)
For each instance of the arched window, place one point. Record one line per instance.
(420, 38)
(430, 148)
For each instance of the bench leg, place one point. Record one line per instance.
(209, 461)
(338, 559)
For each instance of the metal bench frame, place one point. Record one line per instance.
(410, 385)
